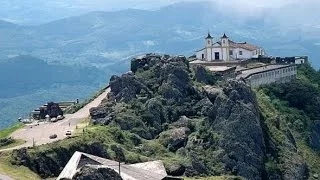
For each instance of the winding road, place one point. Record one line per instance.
(39, 134)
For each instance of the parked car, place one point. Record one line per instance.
(60, 117)
(54, 119)
(68, 133)
(53, 136)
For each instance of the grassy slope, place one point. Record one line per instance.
(215, 178)
(16, 142)
(15, 172)
(6, 132)
(311, 157)
(272, 107)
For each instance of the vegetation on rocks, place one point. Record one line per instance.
(291, 113)
(198, 125)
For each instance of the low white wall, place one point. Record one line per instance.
(282, 75)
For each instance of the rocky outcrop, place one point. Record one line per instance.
(218, 128)
(315, 136)
(144, 62)
(50, 163)
(203, 76)
(103, 114)
(233, 116)
(97, 173)
(200, 74)
(237, 121)
(126, 87)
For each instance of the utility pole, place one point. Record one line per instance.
(119, 167)
(33, 143)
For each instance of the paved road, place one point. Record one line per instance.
(3, 177)
(40, 134)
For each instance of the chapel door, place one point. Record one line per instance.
(216, 56)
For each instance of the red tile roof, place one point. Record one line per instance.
(244, 45)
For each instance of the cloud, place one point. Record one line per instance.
(149, 43)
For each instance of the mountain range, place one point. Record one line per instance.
(105, 41)
(105, 38)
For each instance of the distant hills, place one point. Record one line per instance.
(105, 38)
(25, 74)
(27, 82)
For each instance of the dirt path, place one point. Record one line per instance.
(39, 134)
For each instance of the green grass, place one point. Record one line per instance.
(16, 142)
(312, 158)
(6, 132)
(15, 172)
(271, 108)
(81, 126)
(215, 178)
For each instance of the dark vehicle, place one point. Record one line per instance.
(68, 133)
(53, 136)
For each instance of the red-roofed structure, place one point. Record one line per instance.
(228, 50)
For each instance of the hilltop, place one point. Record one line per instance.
(197, 124)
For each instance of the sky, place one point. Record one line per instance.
(40, 11)
(152, 4)
(147, 4)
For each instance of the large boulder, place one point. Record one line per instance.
(154, 110)
(183, 121)
(176, 138)
(202, 75)
(144, 61)
(175, 169)
(103, 114)
(97, 173)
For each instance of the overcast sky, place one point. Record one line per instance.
(152, 4)
(26, 11)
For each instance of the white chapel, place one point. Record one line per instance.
(227, 50)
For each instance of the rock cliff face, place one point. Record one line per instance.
(200, 125)
(315, 136)
(218, 127)
(235, 118)
(50, 163)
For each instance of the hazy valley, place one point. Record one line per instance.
(107, 40)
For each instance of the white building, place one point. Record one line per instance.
(227, 50)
